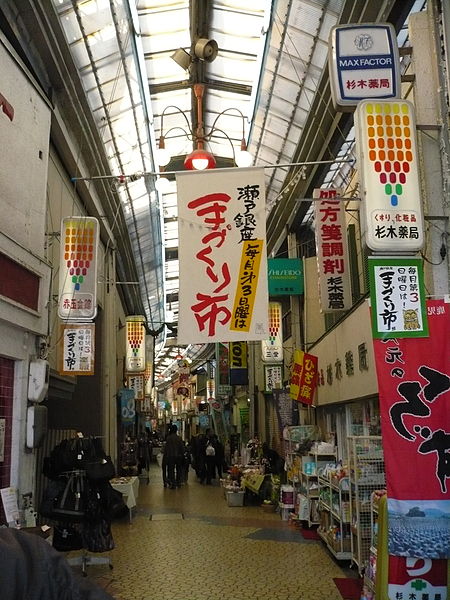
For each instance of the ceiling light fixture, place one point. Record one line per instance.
(200, 158)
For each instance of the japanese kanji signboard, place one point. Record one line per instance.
(135, 332)
(363, 63)
(391, 203)
(332, 251)
(77, 349)
(78, 269)
(273, 377)
(303, 380)
(136, 383)
(414, 388)
(222, 253)
(398, 297)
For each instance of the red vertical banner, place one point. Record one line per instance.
(414, 388)
(303, 380)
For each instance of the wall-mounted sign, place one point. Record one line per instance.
(78, 269)
(273, 377)
(392, 218)
(398, 297)
(135, 332)
(223, 257)
(76, 354)
(285, 276)
(332, 251)
(272, 348)
(363, 63)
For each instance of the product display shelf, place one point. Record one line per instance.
(309, 488)
(334, 509)
(366, 470)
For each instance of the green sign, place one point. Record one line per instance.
(398, 298)
(285, 276)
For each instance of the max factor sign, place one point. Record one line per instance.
(363, 63)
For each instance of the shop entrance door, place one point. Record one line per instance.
(6, 411)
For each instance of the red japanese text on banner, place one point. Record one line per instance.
(332, 251)
(222, 251)
(414, 388)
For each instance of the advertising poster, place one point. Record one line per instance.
(223, 256)
(76, 356)
(414, 387)
(398, 297)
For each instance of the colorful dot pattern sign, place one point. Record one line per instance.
(78, 269)
(135, 360)
(388, 165)
(272, 348)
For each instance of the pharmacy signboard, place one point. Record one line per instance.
(363, 63)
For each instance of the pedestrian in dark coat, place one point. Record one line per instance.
(173, 455)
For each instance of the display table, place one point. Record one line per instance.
(129, 487)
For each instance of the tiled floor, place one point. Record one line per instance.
(187, 544)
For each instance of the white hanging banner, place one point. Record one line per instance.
(223, 257)
(78, 269)
(332, 251)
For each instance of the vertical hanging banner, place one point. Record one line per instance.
(148, 377)
(223, 386)
(303, 380)
(77, 343)
(238, 363)
(397, 296)
(78, 269)
(386, 147)
(136, 383)
(272, 348)
(135, 332)
(414, 387)
(332, 251)
(127, 406)
(222, 248)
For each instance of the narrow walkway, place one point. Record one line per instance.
(187, 544)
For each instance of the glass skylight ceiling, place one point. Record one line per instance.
(123, 50)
